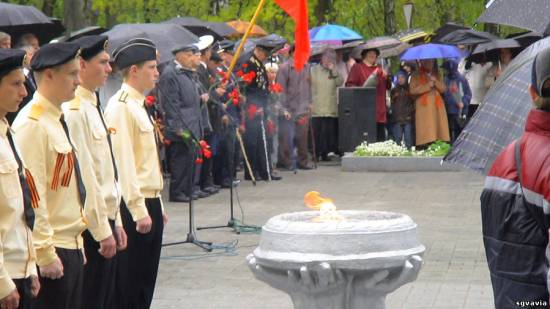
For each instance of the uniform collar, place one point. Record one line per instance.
(4, 127)
(86, 94)
(49, 108)
(133, 93)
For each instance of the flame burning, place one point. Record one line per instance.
(325, 206)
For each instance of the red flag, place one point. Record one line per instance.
(297, 9)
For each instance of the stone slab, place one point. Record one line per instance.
(351, 163)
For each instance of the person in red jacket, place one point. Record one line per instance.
(515, 205)
(369, 73)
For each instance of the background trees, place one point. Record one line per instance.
(368, 17)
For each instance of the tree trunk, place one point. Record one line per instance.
(73, 15)
(47, 7)
(321, 10)
(389, 17)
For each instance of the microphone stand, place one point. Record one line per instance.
(236, 225)
(191, 237)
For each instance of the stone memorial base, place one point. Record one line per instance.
(351, 163)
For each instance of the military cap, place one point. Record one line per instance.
(204, 42)
(54, 54)
(185, 48)
(92, 45)
(216, 57)
(226, 46)
(133, 52)
(11, 59)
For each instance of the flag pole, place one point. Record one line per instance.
(245, 37)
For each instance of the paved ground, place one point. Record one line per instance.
(445, 206)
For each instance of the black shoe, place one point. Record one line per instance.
(305, 167)
(210, 190)
(285, 169)
(226, 184)
(180, 198)
(200, 194)
(274, 177)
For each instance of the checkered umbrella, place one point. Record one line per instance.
(501, 117)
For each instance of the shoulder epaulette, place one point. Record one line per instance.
(74, 104)
(36, 111)
(123, 97)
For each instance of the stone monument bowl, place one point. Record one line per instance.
(346, 260)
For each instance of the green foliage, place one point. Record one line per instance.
(364, 16)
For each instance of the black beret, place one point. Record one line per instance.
(11, 59)
(91, 45)
(133, 52)
(54, 54)
(185, 48)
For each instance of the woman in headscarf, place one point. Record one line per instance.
(431, 116)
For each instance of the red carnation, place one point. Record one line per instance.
(301, 121)
(276, 88)
(199, 161)
(270, 127)
(150, 100)
(167, 142)
(239, 73)
(252, 109)
(245, 65)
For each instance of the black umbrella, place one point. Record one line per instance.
(501, 117)
(526, 14)
(21, 19)
(195, 25)
(525, 38)
(92, 30)
(222, 29)
(165, 36)
(387, 45)
(467, 37)
(488, 52)
(444, 30)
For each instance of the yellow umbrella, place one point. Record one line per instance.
(240, 26)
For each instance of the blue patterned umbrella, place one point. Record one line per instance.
(334, 33)
(431, 51)
(501, 117)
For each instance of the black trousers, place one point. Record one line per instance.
(255, 148)
(227, 156)
(138, 264)
(25, 296)
(65, 292)
(206, 178)
(325, 130)
(182, 160)
(99, 275)
(454, 128)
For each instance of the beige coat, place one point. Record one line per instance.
(431, 117)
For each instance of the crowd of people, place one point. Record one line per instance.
(87, 138)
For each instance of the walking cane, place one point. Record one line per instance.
(265, 149)
(239, 137)
(313, 143)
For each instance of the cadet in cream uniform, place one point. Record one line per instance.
(91, 136)
(18, 276)
(135, 147)
(46, 147)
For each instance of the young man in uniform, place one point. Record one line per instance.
(18, 276)
(90, 135)
(47, 149)
(135, 145)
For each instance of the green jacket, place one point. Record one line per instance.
(324, 87)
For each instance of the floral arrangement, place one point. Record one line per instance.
(392, 149)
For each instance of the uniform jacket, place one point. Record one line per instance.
(180, 100)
